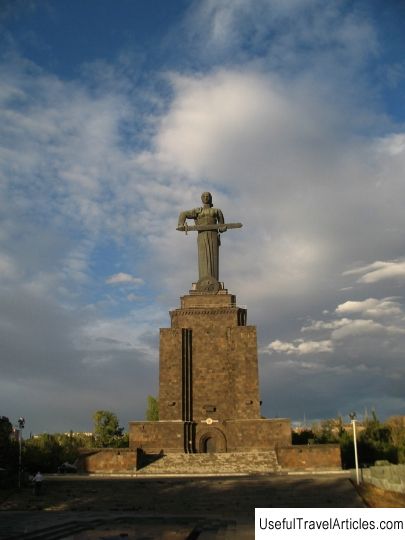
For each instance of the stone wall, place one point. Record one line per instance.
(257, 434)
(290, 458)
(390, 477)
(107, 460)
(311, 457)
(154, 437)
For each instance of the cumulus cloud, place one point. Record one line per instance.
(363, 354)
(371, 307)
(379, 270)
(256, 113)
(123, 278)
(341, 332)
(325, 325)
(359, 327)
(393, 145)
(300, 347)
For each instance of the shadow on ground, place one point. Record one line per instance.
(218, 496)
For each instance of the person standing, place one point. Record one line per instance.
(38, 479)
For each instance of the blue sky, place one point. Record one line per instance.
(115, 116)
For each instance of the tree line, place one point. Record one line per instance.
(376, 440)
(46, 452)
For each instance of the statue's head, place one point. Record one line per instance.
(206, 198)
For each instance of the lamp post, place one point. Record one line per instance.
(21, 424)
(352, 416)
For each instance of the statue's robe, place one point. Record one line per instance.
(208, 242)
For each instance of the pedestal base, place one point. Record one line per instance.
(248, 435)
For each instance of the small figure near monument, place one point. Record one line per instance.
(37, 481)
(209, 222)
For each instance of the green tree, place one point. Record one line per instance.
(347, 450)
(152, 411)
(375, 442)
(305, 436)
(8, 446)
(46, 452)
(327, 432)
(396, 425)
(5, 430)
(43, 453)
(106, 429)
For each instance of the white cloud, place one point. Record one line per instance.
(234, 27)
(361, 327)
(344, 333)
(300, 347)
(122, 278)
(61, 147)
(212, 115)
(371, 307)
(325, 325)
(379, 270)
(393, 145)
(232, 123)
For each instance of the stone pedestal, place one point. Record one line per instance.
(208, 383)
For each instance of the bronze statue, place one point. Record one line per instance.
(209, 222)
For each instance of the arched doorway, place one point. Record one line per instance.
(211, 441)
(208, 445)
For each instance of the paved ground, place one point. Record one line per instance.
(182, 504)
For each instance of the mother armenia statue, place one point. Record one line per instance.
(209, 222)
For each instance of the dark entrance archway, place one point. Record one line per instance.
(208, 446)
(211, 441)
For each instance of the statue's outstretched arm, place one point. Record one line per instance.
(187, 214)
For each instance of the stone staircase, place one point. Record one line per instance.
(224, 464)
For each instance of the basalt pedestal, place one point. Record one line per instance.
(208, 383)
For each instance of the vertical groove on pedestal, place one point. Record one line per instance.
(187, 396)
(242, 317)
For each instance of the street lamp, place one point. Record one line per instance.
(21, 424)
(352, 417)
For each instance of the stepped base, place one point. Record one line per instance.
(314, 457)
(226, 464)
